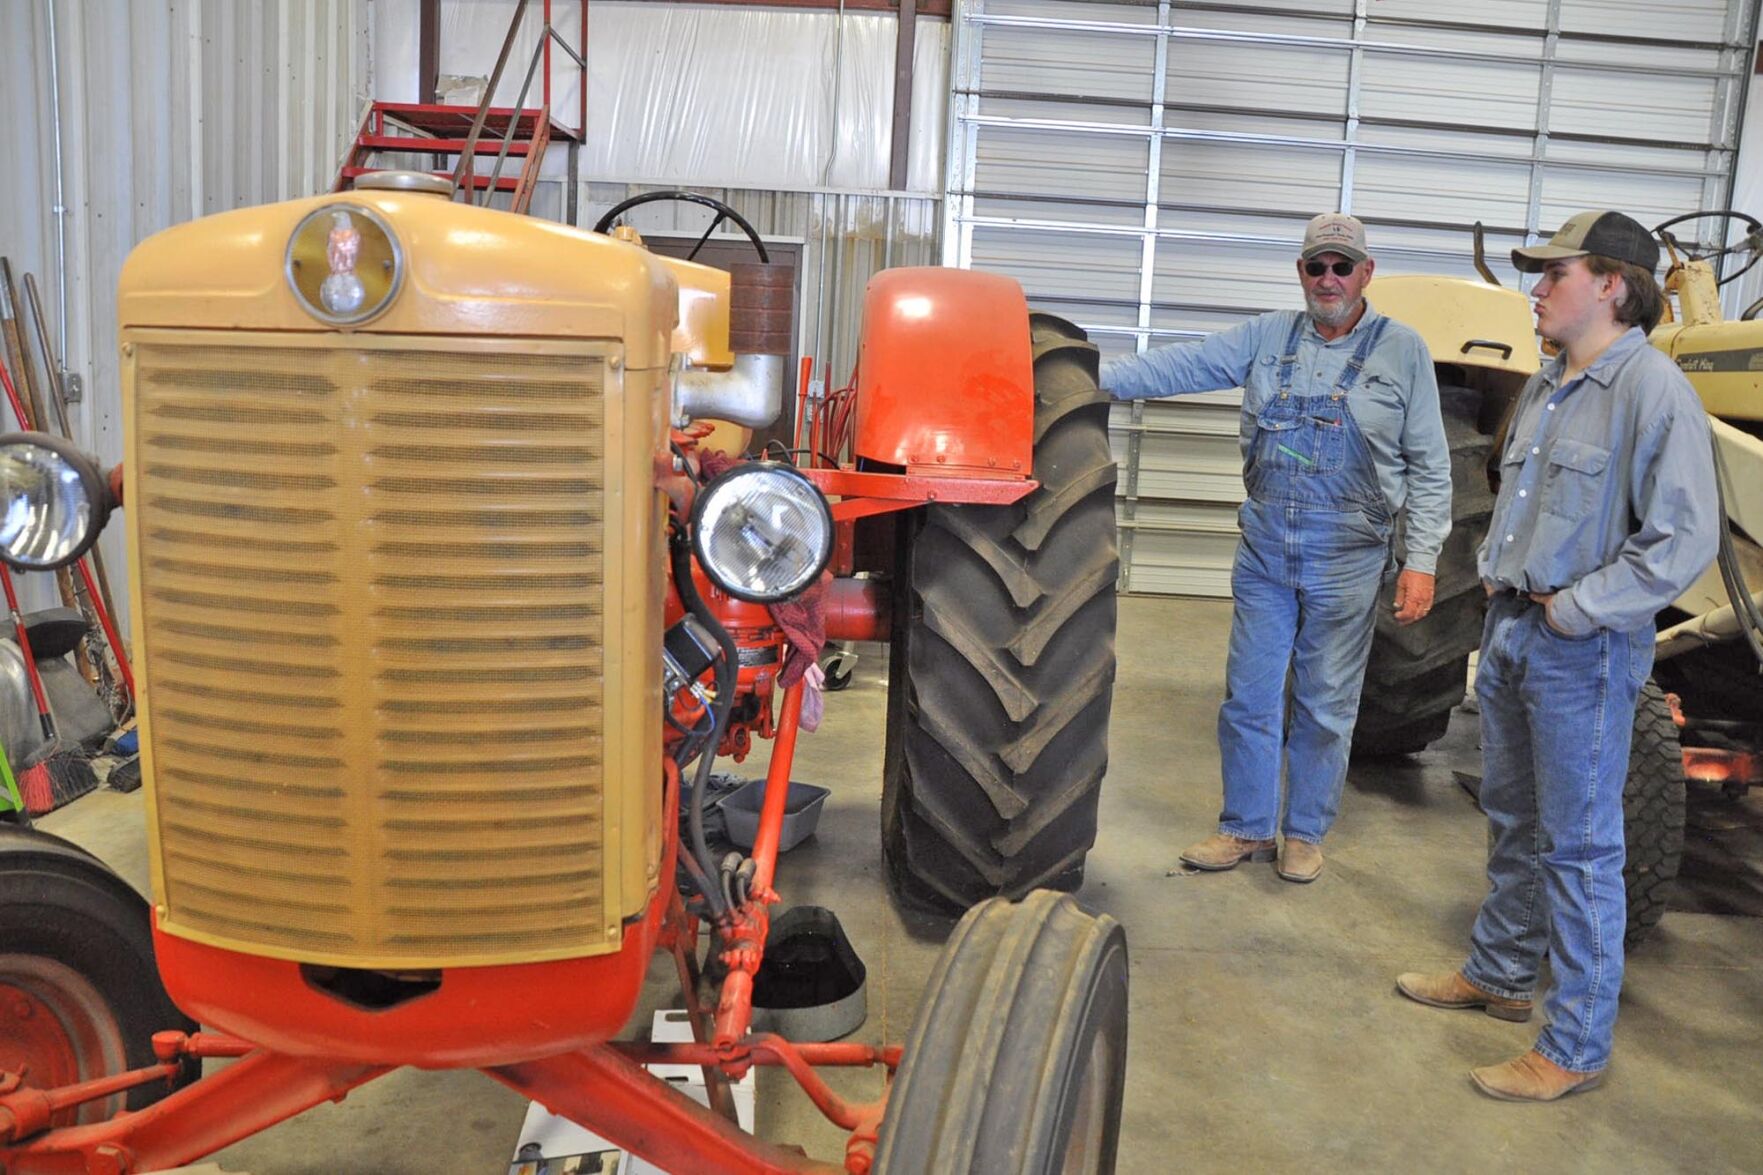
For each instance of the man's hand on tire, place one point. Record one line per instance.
(1413, 595)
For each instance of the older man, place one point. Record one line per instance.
(1607, 512)
(1340, 430)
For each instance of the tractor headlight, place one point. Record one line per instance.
(53, 501)
(762, 531)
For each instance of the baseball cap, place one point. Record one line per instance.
(1608, 234)
(1334, 232)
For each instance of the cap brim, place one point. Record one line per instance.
(1533, 259)
(1346, 251)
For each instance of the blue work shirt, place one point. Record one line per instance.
(1395, 403)
(1607, 490)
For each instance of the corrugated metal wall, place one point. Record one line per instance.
(1146, 170)
(169, 109)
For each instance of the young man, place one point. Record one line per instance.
(1340, 430)
(1607, 511)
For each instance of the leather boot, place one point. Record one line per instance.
(1221, 851)
(1451, 990)
(1532, 1078)
(1301, 861)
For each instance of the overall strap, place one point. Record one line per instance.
(1290, 358)
(1356, 365)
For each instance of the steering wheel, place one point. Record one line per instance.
(723, 212)
(1752, 243)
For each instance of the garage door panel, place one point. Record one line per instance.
(1508, 14)
(1648, 198)
(1399, 187)
(1250, 175)
(1398, 86)
(1684, 20)
(1103, 167)
(1590, 101)
(1050, 264)
(1088, 65)
(1224, 273)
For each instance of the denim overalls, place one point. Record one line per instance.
(1315, 550)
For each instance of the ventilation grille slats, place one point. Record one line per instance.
(372, 589)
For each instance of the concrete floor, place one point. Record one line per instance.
(1266, 1034)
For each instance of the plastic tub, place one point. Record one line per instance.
(740, 810)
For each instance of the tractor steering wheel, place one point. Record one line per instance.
(1752, 243)
(723, 212)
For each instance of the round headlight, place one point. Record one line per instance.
(53, 501)
(343, 264)
(762, 532)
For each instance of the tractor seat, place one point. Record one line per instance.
(54, 632)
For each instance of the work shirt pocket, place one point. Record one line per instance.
(1261, 384)
(1571, 488)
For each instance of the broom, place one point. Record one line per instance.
(52, 775)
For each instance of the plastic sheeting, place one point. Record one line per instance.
(703, 94)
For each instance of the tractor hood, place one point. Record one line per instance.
(461, 270)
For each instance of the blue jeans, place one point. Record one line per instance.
(1557, 715)
(1306, 583)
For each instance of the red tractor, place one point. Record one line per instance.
(443, 604)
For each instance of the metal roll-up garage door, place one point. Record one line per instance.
(1146, 169)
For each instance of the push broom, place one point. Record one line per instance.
(53, 775)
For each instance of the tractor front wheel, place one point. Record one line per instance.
(1016, 1063)
(1001, 674)
(79, 995)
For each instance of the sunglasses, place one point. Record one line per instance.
(1340, 268)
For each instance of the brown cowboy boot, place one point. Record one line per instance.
(1532, 1078)
(1451, 990)
(1221, 851)
(1301, 861)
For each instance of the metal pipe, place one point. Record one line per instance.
(857, 610)
(838, 91)
(60, 196)
(514, 121)
(777, 791)
(483, 110)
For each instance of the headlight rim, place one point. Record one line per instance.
(368, 313)
(748, 469)
(92, 481)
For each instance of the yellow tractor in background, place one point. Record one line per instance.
(1701, 717)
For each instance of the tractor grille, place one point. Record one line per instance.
(370, 582)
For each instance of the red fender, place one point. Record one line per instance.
(945, 377)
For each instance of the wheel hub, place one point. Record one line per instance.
(55, 1030)
(33, 1040)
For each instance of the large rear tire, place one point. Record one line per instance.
(80, 997)
(1001, 675)
(1418, 672)
(1652, 814)
(1016, 1064)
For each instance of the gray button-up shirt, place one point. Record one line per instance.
(1395, 403)
(1607, 490)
